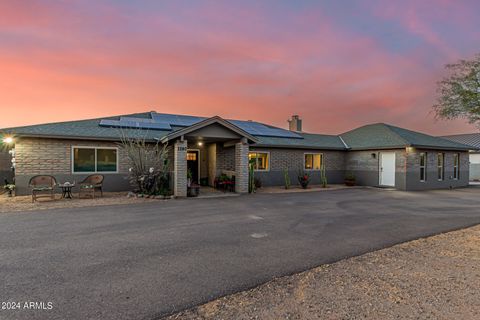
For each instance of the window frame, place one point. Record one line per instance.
(256, 162)
(96, 160)
(305, 162)
(456, 166)
(425, 162)
(441, 155)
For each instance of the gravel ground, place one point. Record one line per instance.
(24, 203)
(431, 278)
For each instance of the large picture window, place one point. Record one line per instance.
(91, 159)
(423, 166)
(456, 166)
(441, 166)
(261, 160)
(313, 161)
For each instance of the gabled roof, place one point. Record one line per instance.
(207, 122)
(470, 139)
(384, 136)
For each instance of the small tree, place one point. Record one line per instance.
(148, 164)
(459, 93)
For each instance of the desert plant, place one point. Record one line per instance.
(323, 175)
(148, 164)
(286, 178)
(251, 175)
(350, 179)
(9, 188)
(303, 178)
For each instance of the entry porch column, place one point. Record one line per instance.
(180, 168)
(241, 166)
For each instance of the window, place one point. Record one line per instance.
(440, 166)
(261, 160)
(456, 166)
(91, 159)
(313, 161)
(423, 166)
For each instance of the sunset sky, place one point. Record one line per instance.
(338, 64)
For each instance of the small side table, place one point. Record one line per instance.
(67, 190)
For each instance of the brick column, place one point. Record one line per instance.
(180, 169)
(241, 166)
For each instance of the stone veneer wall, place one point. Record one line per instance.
(54, 157)
(432, 182)
(293, 159)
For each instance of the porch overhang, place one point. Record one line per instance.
(206, 123)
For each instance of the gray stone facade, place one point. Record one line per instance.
(293, 160)
(180, 168)
(432, 181)
(364, 165)
(54, 157)
(241, 167)
(36, 156)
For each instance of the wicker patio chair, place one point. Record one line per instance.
(42, 186)
(91, 184)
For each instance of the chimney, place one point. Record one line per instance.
(295, 124)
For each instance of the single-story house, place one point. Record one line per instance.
(472, 140)
(377, 154)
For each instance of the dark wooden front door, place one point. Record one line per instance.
(193, 159)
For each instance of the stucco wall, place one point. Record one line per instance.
(54, 157)
(365, 166)
(432, 182)
(293, 160)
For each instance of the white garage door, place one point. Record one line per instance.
(387, 169)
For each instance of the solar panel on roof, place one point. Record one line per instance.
(161, 121)
(259, 129)
(176, 120)
(135, 124)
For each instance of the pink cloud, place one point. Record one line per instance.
(57, 67)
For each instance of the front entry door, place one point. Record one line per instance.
(193, 162)
(387, 169)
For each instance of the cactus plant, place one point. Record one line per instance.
(286, 177)
(323, 175)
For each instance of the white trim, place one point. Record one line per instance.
(442, 166)
(380, 169)
(456, 168)
(313, 153)
(424, 166)
(344, 143)
(198, 173)
(95, 148)
(268, 160)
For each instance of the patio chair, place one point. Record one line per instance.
(42, 186)
(91, 184)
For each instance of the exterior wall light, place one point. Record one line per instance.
(200, 143)
(8, 140)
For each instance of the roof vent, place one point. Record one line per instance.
(295, 124)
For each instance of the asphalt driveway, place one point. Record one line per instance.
(145, 261)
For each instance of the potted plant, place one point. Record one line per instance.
(350, 179)
(304, 179)
(9, 188)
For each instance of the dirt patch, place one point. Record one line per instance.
(431, 278)
(24, 203)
